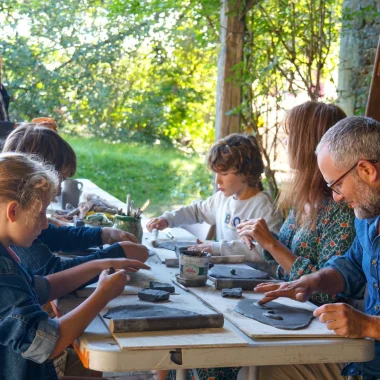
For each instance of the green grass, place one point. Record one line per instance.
(168, 177)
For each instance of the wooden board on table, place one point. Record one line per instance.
(176, 338)
(253, 328)
(140, 279)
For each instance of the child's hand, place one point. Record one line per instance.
(114, 235)
(205, 246)
(159, 223)
(127, 264)
(112, 285)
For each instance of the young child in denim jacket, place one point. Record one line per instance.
(29, 339)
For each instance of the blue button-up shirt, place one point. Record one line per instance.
(361, 266)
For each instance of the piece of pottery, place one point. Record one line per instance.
(129, 224)
(193, 265)
(71, 192)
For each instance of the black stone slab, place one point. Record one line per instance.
(145, 317)
(230, 272)
(153, 295)
(162, 286)
(275, 314)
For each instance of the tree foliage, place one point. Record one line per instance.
(291, 47)
(115, 69)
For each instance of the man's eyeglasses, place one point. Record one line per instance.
(332, 184)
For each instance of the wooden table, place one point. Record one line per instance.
(227, 347)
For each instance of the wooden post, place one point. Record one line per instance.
(228, 93)
(373, 103)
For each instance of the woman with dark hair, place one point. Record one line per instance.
(316, 228)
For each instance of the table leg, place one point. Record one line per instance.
(180, 374)
(253, 373)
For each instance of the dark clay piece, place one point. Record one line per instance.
(224, 271)
(153, 295)
(162, 286)
(275, 314)
(234, 292)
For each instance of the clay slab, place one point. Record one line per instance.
(275, 314)
(230, 272)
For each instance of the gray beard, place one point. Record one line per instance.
(369, 203)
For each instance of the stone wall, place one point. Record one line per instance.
(359, 40)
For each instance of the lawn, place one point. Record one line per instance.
(167, 176)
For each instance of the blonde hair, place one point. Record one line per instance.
(25, 179)
(305, 125)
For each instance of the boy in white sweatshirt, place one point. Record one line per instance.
(237, 164)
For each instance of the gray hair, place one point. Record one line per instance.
(352, 139)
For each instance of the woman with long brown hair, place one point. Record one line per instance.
(316, 227)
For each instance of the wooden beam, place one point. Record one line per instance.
(373, 103)
(228, 93)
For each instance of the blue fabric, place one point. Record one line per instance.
(40, 260)
(27, 335)
(359, 266)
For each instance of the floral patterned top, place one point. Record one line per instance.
(332, 235)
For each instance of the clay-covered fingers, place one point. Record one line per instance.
(294, 290)
(267, 286)
(247, 240)
(158, 223)
(112, 285)
(129, 264)
(135, 265)
(151, 224)
(129, 237)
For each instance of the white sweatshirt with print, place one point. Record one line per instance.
(226, 213)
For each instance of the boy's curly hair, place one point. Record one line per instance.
(239, 152)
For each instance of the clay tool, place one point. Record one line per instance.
(180, 285)
(143, 208)
(111, 270)
(170, 236)
(155, 233)
(128, 204)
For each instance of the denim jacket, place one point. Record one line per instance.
(361, 266)
(40, 260)
(27, 334)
